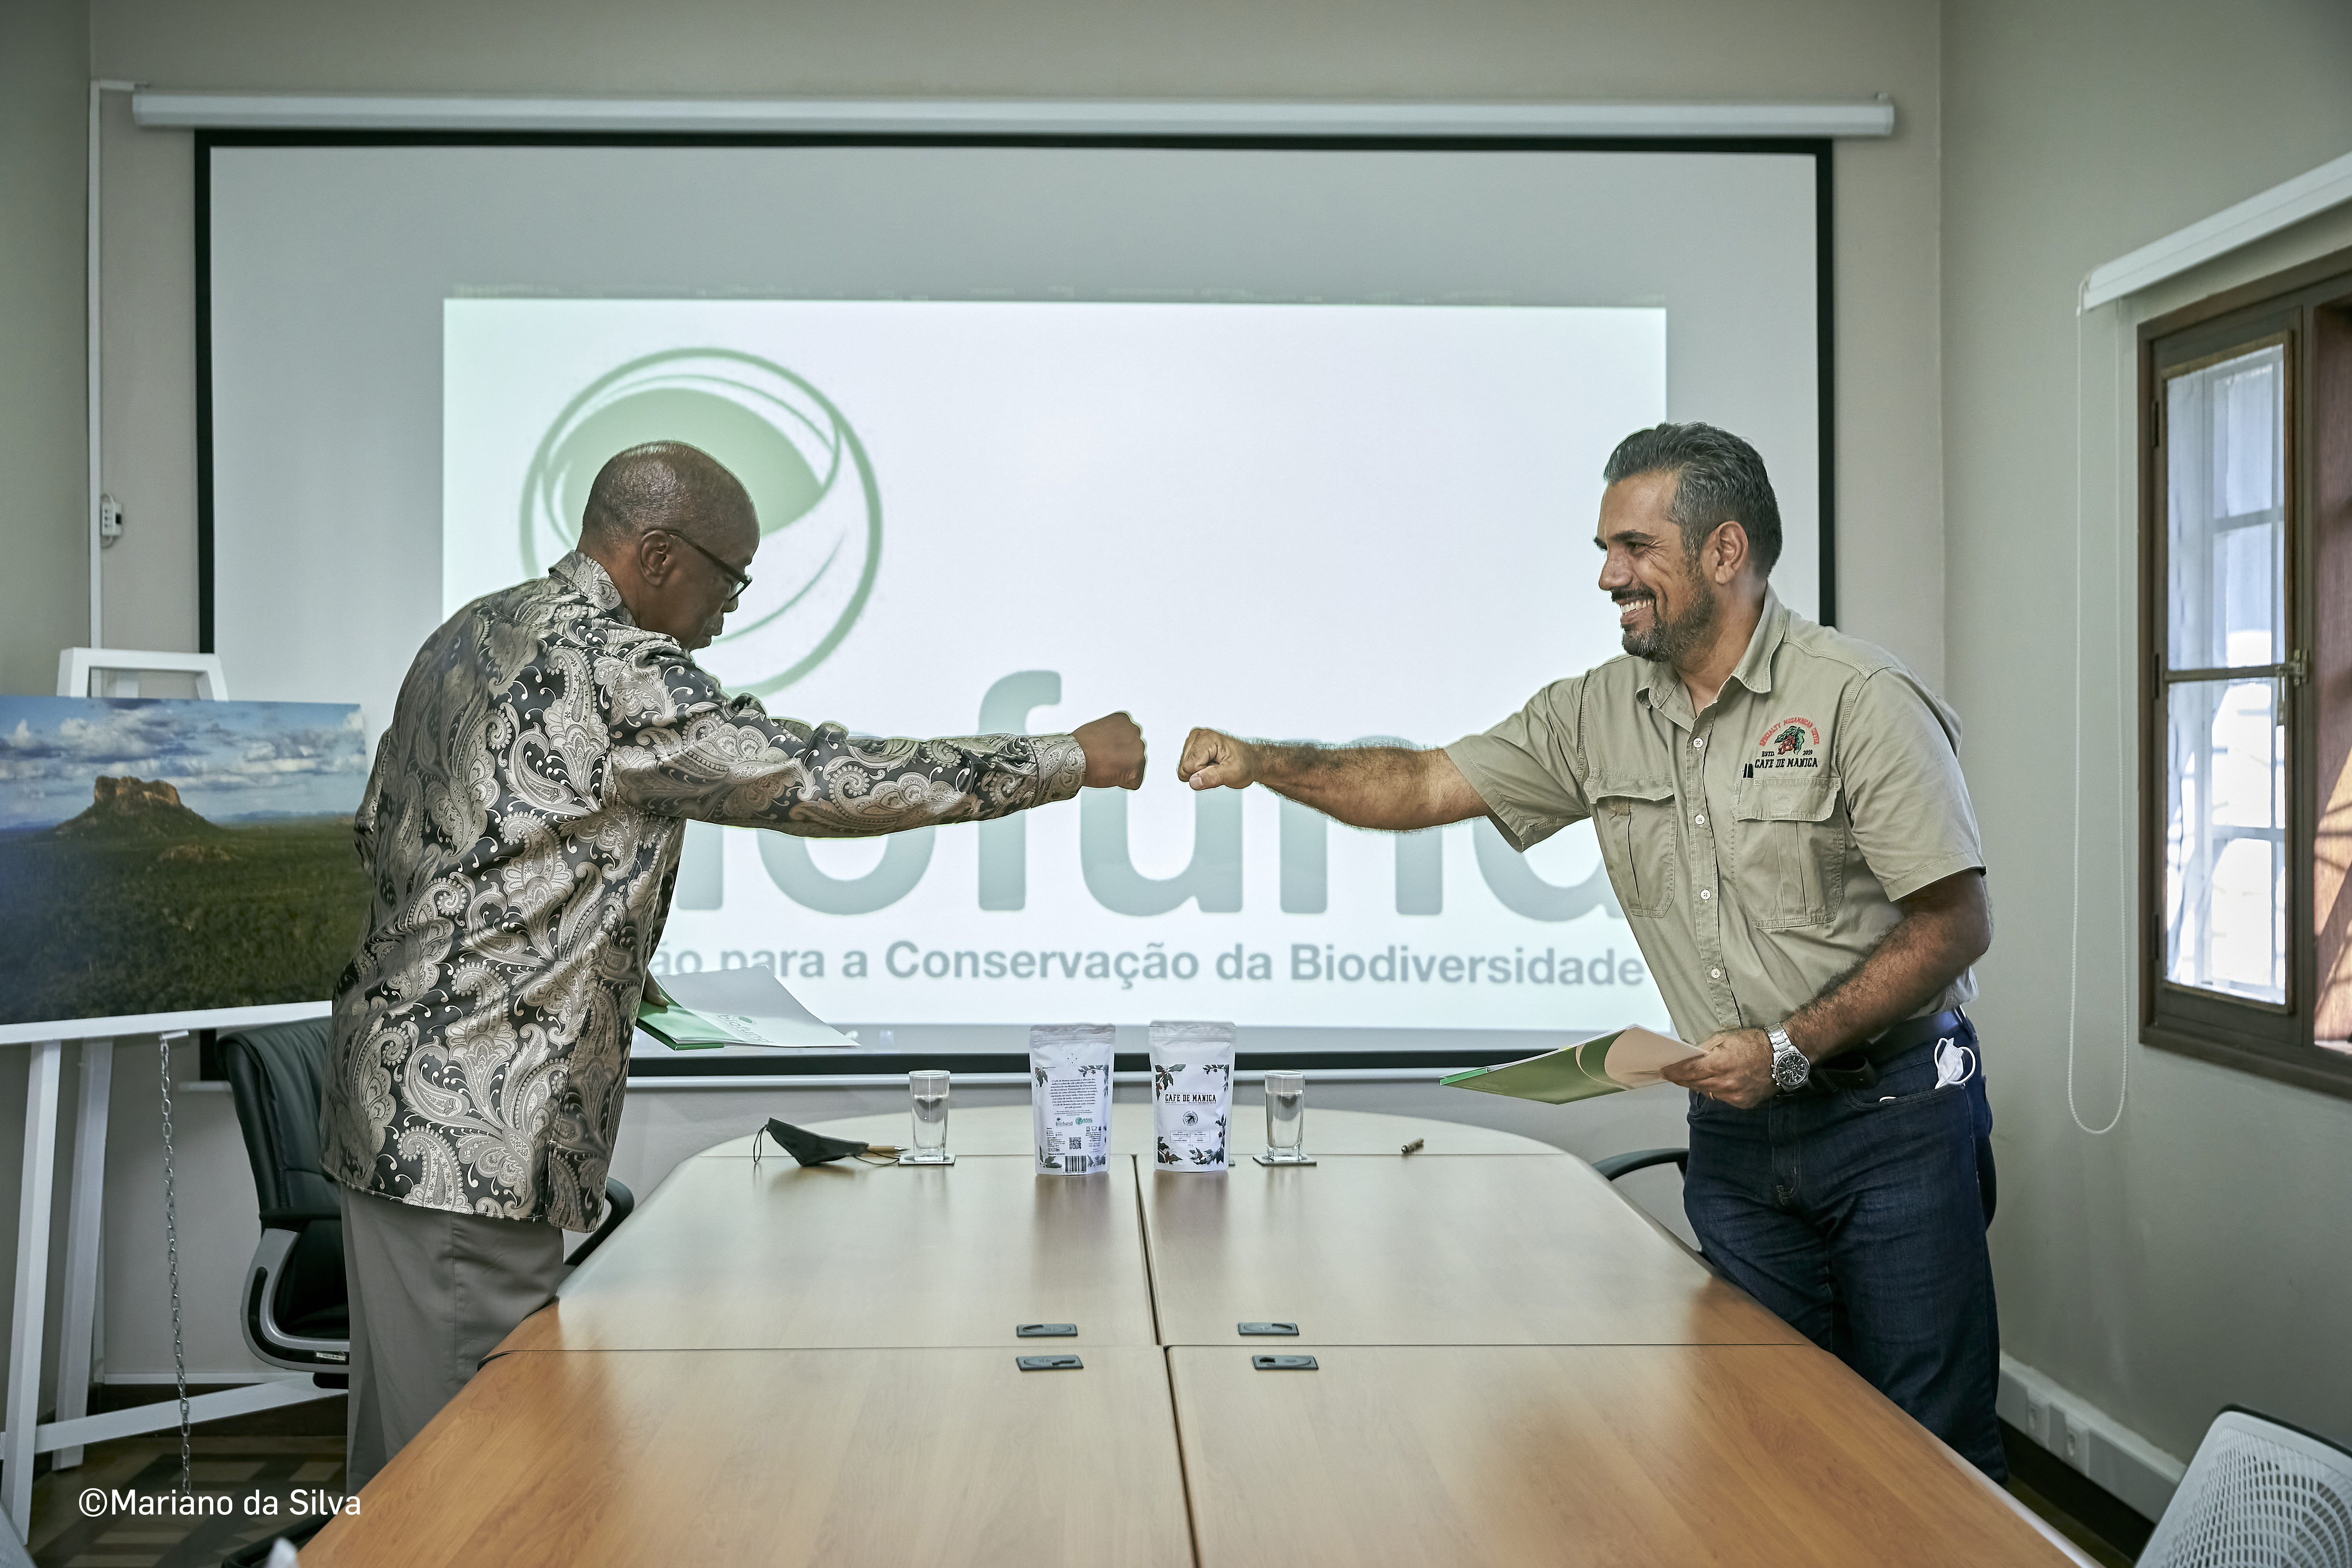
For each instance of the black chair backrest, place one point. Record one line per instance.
(278, 1073)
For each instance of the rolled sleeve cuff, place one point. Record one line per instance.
(1909, 879)
(1485, 762)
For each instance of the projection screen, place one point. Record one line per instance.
(1300, 441)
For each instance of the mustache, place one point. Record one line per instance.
(1631, 596)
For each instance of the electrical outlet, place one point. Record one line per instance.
(110, 520)
(2037, 1420)
(2074, 1444)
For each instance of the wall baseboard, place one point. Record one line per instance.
(2088, 1439)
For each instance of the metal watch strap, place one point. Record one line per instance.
(1790, 1066)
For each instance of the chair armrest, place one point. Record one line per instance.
(1616, 1165)
(263, 1334)
(619, 1203)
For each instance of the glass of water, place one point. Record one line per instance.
(1286, 1118)
(929, 1090)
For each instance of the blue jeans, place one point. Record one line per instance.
(1858, 1216)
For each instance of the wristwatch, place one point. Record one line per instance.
(1790, 1066)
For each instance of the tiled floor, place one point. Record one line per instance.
(248, 1472)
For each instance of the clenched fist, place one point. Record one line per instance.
(1114, 749)
(1214, 760)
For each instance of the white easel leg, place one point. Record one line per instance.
(32, 1282)
(84, 1208)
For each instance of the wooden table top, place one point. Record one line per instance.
(841, 1457)
(1635, 1455)
(1437, 1250)
(1005, 1129)
(729, 1256)
(1515, 1367)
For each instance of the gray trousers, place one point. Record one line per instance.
(432, 1293)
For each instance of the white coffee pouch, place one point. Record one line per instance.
(1191, 1095)
(1069, 1096)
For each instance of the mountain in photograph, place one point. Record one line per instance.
(175, 857)
(134, 808)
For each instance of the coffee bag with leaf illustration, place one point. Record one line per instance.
(1191, 1094)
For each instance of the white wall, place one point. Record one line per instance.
(1889, 478)
(2194, 1256)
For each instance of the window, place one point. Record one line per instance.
(2247, 625)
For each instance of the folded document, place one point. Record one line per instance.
(736, 1007)
(1629, 1058)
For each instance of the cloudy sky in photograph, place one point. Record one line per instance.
(228, 760)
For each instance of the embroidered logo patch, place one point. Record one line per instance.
(1790, 743)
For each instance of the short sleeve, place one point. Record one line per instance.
(1529, 769)
(1898, 759)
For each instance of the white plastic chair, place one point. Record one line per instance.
(2259, 1494)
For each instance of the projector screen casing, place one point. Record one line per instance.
(1812, 490)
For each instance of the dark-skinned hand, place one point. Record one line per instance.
(1114, 749)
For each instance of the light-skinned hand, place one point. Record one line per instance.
(1737, 1069)
(1214, 760)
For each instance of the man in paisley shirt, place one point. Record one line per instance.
(521, 829)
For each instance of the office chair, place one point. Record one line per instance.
(297, 1309)
(1617, 1165)
(2259, 1494)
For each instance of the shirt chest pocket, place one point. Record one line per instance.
(1636, 824)
(1792, 848)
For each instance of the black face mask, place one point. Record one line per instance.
(807, 1148)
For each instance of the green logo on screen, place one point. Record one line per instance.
(820, 511)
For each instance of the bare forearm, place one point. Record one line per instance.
(1364, 786)
(1944, 930)
(1390, 787)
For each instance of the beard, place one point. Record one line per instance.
(1667, 641)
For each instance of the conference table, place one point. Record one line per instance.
(1495, 1360)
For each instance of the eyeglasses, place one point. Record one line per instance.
(742, 580)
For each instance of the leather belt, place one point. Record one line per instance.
(1858, 1067)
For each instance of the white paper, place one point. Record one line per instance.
(1637, 1057)
(755, 1007)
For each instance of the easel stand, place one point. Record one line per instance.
(74, 1428)
(79, 671)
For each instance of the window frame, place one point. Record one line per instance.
(2271, 1040)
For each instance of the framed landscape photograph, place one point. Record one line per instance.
(164, 856)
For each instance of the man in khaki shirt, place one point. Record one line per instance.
(1782, 814)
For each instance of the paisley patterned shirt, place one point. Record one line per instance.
(521, 828)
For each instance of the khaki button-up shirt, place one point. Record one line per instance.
(521, 828)
(1757, 848)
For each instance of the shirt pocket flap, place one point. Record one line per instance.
(1620, 794)
(1813, 800)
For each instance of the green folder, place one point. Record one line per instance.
(1606, 1064)
(736, 1007)
(682, 1028)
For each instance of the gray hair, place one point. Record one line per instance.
(1718, 477)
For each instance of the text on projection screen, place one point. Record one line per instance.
(1332, 523)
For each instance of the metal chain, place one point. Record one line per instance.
(172, 1257)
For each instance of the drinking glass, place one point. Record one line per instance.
(929, 1090)
(1286, 1118)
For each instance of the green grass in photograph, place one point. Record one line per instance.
(166, 917)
